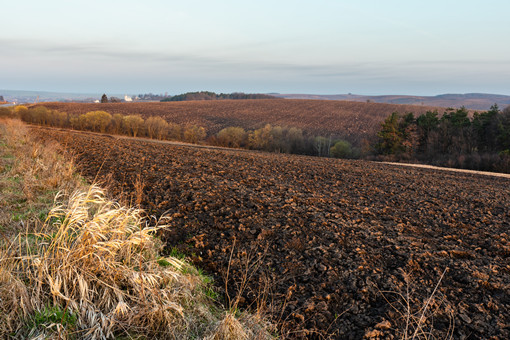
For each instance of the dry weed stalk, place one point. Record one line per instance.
(92, 258)
(418, 319)
(246, 326)
(138, 187)
(92, 270)
(41, 166)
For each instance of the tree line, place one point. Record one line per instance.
(455, 139)
(268, 138)
(104, 122)
(284, 140)
(207, 95)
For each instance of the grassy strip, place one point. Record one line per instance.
(83, 266)
(30, 176)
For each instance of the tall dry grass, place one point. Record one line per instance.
(92, 268)
(30, 176)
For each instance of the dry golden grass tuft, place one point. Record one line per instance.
(30, 176)
(92, 268)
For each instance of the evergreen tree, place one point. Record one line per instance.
(390, 135)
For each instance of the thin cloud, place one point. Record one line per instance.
(109, 52)
(83, 49)
(115, 65)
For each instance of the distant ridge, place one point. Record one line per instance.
(473, 101)
(20, 96)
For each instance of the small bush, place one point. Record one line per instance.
(116, 123)
(194, 134)
(342, 149)
(59, 118)
(38, 115)
(132, 125)
(234, 137)
(5, 112)
(295, 142)
(97, 120)
(261, 139)
(174, 132)
(156, 127)
(21, 111)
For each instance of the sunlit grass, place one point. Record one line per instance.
(79, 265)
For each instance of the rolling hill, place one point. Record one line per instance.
(350, 120)
(341, 247)
(473, 101)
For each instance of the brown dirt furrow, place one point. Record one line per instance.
(353, 121)
(335, 240)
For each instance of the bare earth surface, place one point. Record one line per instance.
(473, 172)
(351, 120)
(335, 240)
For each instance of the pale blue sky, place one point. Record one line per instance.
(321, 46)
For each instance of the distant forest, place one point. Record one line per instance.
(206, 95)
(268, 138)
(454, 139)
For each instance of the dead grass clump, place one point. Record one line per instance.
(98, 263)
(42, 165)
(240, 327)
(229, 329)
(91, 268)
(30, 176)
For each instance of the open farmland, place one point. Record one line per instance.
(335, 240)
(473, 101)
(353, 121)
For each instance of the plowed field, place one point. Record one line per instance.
(351, 120)
(330, 241)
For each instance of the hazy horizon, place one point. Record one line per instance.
(11, 92)
(324, 47)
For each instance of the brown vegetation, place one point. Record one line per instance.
(268, 138)
(474, 101)
(352, 121)
(91, 268)
(30, 176)
(349, 248)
